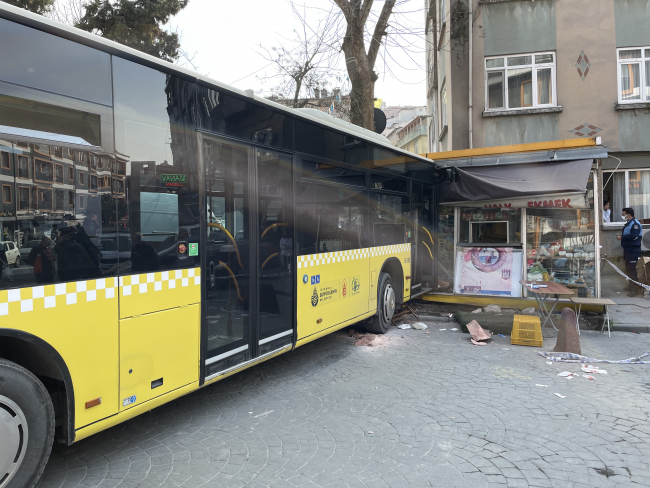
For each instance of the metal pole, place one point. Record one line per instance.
(471, 23)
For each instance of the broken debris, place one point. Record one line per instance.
(492, 308)
(478, 333)
(558, 395)
(404, 326)
(419, 326)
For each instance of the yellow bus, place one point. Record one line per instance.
(168, 230)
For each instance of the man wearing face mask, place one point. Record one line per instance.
(631, 242)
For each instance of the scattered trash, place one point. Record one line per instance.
(565, 374)
(501, 335)
(478, 310)
(589, 377)
(453, 329)
(549, 362)
(442, 329)
(592, 369)
(558, 395)
(528, 311)
(451, 315)
(352, 332)
(492, 308)
(635, 332)
(543, 386)
(370, 432)
(404, 326)
(419, 326)
(568, 357)
(477, 343)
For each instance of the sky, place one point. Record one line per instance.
(224, 36)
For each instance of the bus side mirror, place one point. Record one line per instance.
(450, 175)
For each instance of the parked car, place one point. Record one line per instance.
(11, 252)
(24, 251)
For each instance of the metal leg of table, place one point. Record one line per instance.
(544, 312)
(578, 318)
(549, 316)
(542, 308)
(602, 329)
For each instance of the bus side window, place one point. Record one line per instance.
(156, 169)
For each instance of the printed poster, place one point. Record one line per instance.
(488, 271)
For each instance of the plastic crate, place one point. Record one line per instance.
(526, 331)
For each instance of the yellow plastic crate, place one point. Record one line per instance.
(527, 331)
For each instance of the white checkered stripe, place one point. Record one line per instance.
(59, 295)
(312, 260)
(165, 280)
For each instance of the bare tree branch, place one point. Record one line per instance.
(380, 31)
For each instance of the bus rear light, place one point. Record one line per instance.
(94, 403)
(408, 277)
(319, 321)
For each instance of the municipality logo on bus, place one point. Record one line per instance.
(314, 298)
(356, 284)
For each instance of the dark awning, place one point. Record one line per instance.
(516, 184)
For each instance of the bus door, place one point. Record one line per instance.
(422, 239)
(248, 290)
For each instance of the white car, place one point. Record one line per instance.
(11, 252)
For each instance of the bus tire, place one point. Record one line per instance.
(380, 322)
(26, 426)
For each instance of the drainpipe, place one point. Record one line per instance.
(471, 31)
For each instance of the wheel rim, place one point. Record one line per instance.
(13, 432)
(389, 302)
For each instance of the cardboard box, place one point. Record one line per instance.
(643, 260)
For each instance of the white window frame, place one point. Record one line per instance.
(645, 56)
(534, 66)
(443, 106)
(614, 219)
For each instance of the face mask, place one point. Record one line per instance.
(624, 217)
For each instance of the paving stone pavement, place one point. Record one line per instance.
(421, 410)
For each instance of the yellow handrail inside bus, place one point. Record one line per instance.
(428, 233)
(231, 240)
(234, 279)
(428, 249)
(269, 258)
(271, 226)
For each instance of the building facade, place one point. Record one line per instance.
(504, 72)
(411, 136)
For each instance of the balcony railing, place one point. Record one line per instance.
(418, 131)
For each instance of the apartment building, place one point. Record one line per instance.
(502, 72)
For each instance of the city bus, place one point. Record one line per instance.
(185, 230)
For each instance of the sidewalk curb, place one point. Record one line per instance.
(629, 328)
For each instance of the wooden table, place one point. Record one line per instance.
(542, 295)
(605, 302)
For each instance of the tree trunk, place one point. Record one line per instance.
(362, 97)
(360, 65)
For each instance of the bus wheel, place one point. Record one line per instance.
(380, 322)
(26, 427)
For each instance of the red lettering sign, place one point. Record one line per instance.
(558, 203)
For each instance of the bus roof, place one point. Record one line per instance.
(53, 27)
